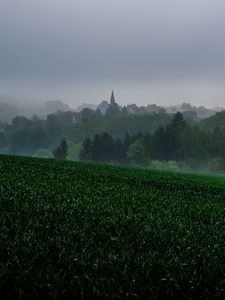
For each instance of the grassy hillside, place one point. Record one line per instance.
(92, 231)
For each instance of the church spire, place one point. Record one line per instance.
(112, 100)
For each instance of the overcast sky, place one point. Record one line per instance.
(148, 51)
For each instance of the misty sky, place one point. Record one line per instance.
(148, 51)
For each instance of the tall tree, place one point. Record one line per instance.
(176, 136)
(96, 148)
(119, 155)
(137, 153)
(215, 144)
(61, 151)
(107, 148)
(85, 153)
(3, 139)
(158, 144)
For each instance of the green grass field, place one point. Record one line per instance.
(92, 231)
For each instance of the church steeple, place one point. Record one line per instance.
(112, 100)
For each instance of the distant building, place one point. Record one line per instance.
(112, 100)
(187, 107)
(85, 105)
(114, 109)
(153, 108)
(190, 114)
(103, 106)
(132, 109)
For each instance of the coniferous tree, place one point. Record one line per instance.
(107, 148)
(175, 137)
(126, 144)
(96, 148)
(215, 142)
(119, 155)
(85, 153)
(61, 151)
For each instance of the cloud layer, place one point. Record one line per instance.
(146, 49)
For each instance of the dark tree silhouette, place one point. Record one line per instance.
(86, 151)
(61, 151)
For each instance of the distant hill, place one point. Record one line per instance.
(218, 119)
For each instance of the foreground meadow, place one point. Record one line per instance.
(93, 231)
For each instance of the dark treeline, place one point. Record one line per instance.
(24, 136)
(104, 149)
(146, 140)
(189, 146)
